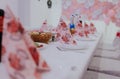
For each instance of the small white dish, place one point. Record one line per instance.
(41, 46)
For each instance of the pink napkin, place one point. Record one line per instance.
(62, 25)
(86, 29)
(92, 28)
(63, 33)
(19, 54)
(60, 28)
(44, 26)
(79, 30)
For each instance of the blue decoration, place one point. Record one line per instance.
(72, 26)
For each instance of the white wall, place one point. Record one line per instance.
(13, 4)
(24, 12)
(34, 15)
(55, 12)
(33, 12)
(109, 31)
(38, 12)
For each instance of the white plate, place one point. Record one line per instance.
(90, 38)
(73, 47)
(43, 45)
(94, 35)
(87, 39)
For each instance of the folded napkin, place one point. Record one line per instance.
(63, 34)
(67, 38)
(19, 54)
(44, 27)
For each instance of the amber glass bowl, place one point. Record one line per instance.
(72, 31)
(43, 37)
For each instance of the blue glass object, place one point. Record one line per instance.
(72, 26)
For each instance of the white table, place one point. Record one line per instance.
(68, 64)
(64, 64)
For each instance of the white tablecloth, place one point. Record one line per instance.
(64, 64)
(68, 64)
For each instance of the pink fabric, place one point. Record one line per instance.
(63, 33)
(44, 27)
(93, 10)
(81, 30)
(19, 54)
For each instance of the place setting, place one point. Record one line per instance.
(72, 48)
(86, 32)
